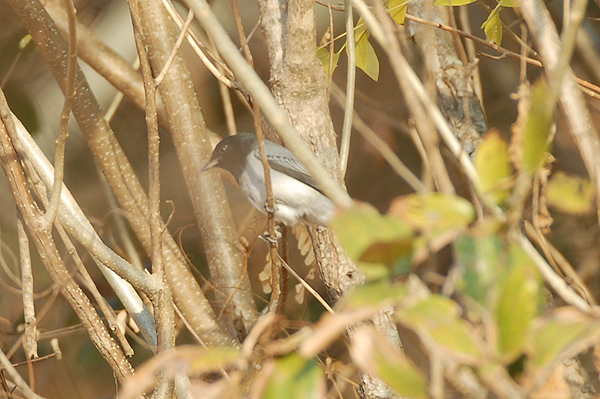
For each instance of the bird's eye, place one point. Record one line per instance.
(223, 148)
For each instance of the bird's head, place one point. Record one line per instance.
(231, 152)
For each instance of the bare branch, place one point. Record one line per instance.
(350, 86)
(30, 339)
(49, 254)
(190, 136)
(63, 132)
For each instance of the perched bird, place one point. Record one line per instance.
(297, 196)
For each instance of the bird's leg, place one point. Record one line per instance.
(268, 237)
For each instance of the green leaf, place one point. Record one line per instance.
(493, 164)
(453, 2)
(570, 194)
(434, 309)
(479, 257)
(509, 3)
(374, 294)
(323, 54)
(437, 319)
(397, 10)
(517, 304)
(535, 143)
(400, 375)
(374, 271)
(387, 253)
(457, 338)
(366, 59)
(555, 334)
(295, 377)
(360, 227)
(433, 213)
(372, 352)
(493, 26)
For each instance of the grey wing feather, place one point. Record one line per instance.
(283, 160)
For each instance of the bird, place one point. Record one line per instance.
(297, 196)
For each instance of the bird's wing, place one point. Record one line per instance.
(284, 161)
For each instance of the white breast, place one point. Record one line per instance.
(294, 200)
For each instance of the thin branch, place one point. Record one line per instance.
(228, 109)
(310, 289)
(49, 253)
(419, 107)
(197, 46)
(350, 86)
(182, 35)
(555, 281)
(162, 300)
(278, 297)
(212, 213)
(16, 378)
(331, 48)
(73, 219)
(503, 51)
(469, 36)
(71, 215)
(89, 284)
(435, 114)
(338, 7)
(63, 133)
(559, 262)
(30, 338)
(567, 46)
(471, 53)
(381, 146)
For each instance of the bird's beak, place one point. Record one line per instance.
(211, 164)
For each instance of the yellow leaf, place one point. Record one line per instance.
(493, 164)
(397, 10)
(570, 194)
(564, 329)
(517, 304)
(366, 59)
(323, 55)
(360, 29)
(436, 319)
(453, 2)
(360, 227)
(433, 213)
(536, 132)
(493, 26)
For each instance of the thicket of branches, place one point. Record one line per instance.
(465, 264)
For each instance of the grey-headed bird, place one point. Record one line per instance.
(296, 194)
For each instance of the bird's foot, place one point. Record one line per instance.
(268, 209)
(270, 238)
